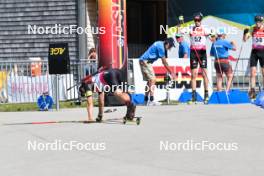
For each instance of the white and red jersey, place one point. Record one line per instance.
(258, 38)
(198, 38)
(97, 80)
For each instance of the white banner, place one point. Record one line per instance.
(182, 83)
(21, 89)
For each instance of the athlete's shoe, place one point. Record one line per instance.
(206, 100)
(130, 114)
(99, 118)
(206, 97)
(252, 94)
(193, 100)
(153, 103)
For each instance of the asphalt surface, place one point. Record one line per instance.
(115, 149)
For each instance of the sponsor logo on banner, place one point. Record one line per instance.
(113, 44)
(183, 76)
(59, 60)
(182, 82)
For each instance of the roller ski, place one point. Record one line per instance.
(130, 115)
(100, 116)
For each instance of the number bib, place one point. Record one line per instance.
(198, 39)
(258, 38)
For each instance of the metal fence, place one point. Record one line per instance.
(241, 78)
(25, 81)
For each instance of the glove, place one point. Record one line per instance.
(246, 31)
(167, 77)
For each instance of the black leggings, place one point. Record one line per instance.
(115, 78)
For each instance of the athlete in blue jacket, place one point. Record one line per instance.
(220, 50)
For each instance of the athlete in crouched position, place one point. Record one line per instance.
(106, 81)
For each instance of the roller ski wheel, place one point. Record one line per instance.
(130, 114)
(127, 119)
(137, 121)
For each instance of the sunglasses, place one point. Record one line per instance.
(197, 20)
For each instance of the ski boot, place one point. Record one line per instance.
(206, 97)
(252, 94)
(130, 114)
(194, 99)
(99, 118)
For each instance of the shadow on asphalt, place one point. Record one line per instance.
(107, 121)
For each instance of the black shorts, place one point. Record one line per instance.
(223, 67)
(257, 55)
(115, 79)
(198, 57)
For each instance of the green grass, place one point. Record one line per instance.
(33, 106)
(20, 107)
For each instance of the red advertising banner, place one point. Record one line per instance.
(112, 44)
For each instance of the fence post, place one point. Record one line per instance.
(57, 93)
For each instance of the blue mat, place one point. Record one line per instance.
(187, 96)
(260, 99)
(231, 97)
(138, 99)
